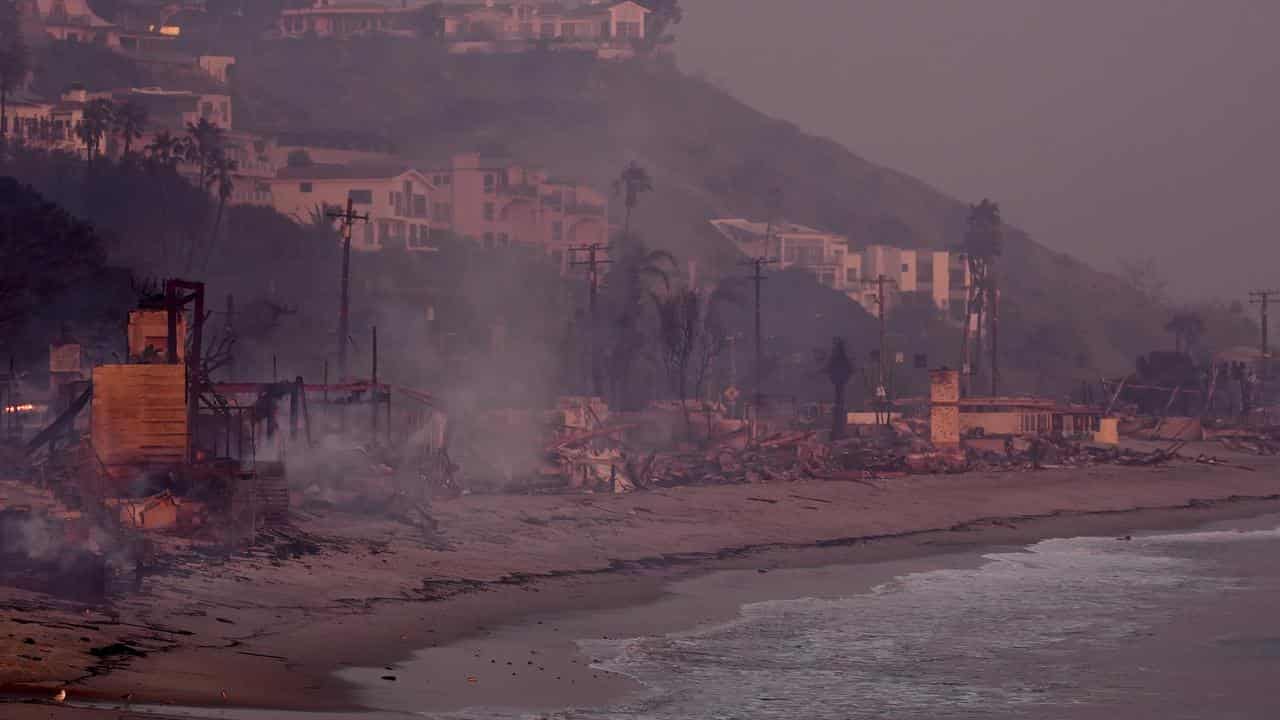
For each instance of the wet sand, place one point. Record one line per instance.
(287, 633)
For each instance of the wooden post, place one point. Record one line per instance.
(373, 386)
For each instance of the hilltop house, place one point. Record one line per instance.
(593, 21)
(938, 275)
(75, 21)
(348, 18)
(397, 200)
(608, 28)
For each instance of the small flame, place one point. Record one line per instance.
(20, 409)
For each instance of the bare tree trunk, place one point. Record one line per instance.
(977, 344)
(994, 303)
(213, 236)
(839, 415)
(684, 403)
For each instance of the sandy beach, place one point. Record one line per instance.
(310, 624)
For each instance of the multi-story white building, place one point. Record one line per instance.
(938, 274)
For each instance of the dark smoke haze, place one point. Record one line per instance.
(1111, 130)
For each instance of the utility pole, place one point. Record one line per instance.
(593, 263)
(348, 220)
(757, 277)
(882, 383)
(1262, 298)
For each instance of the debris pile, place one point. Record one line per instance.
(1253, 441)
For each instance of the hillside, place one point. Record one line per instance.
(710, 155)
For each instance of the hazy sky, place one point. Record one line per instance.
(1112, 129)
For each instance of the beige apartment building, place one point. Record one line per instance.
(501, 203)
(398, 201)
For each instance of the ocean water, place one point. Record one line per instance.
(1172, 626)
(1163, 626)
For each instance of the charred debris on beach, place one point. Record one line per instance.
(145, 462)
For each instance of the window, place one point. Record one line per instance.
(526, 30)
(368, 234)
(557, 231)
(488, 182)
(488, 211)
(924, 271)
(488, 241)
(304, 187)
(361, 197)
(829, 279)
(503, 240)
(548, 30)
(628, 29)
(568, 30)
(206, 110)
(906, 268)
(420, 206)
(851, 275)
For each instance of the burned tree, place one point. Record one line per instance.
(690, 341)
(839, 370)
(983, 243)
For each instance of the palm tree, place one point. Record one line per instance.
(224, 175)
(130, 120)
(633, 181)
(97, 122)
(164, 151)
(203, 147)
